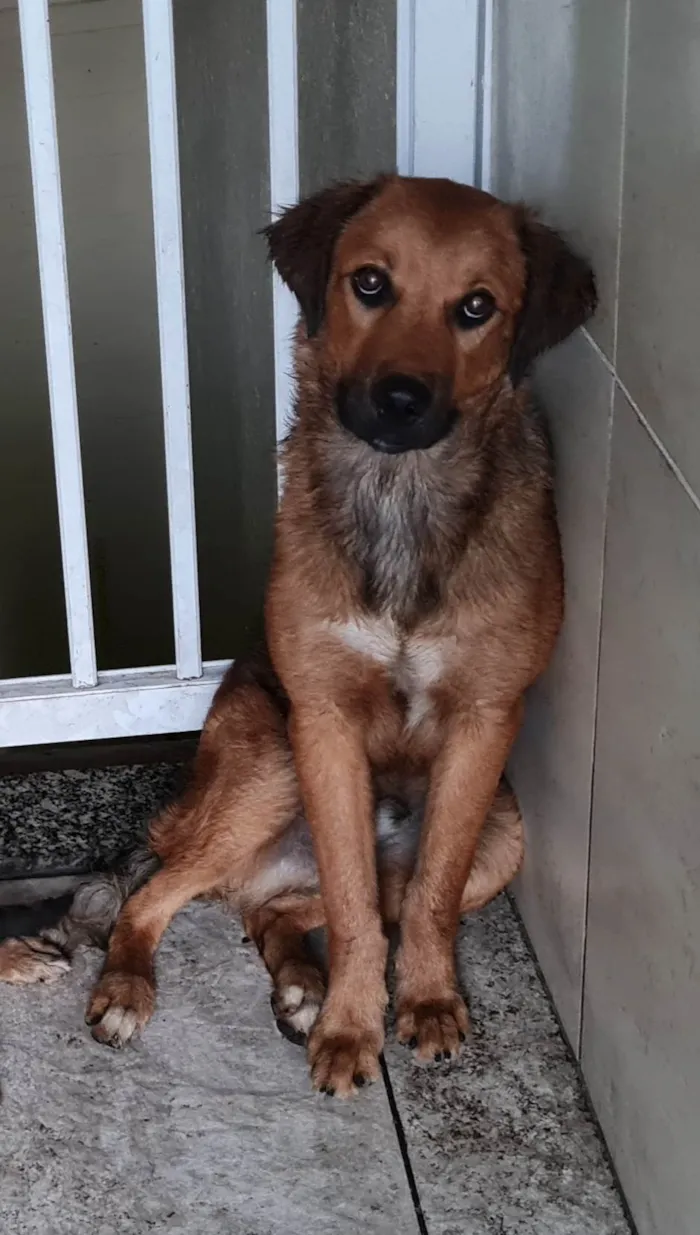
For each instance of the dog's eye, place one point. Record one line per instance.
(371, 286)
(475, 309)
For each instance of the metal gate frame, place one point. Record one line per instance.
(442, 128)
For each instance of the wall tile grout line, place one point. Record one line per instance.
(617, 385)
(612, 369)
(668, 458)
(594, 735)
(403, 1148)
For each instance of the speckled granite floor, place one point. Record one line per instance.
(207, 1124)
(78, 820)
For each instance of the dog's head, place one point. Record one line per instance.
(420, 297)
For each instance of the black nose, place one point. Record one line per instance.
(401, 396)
(397, 413)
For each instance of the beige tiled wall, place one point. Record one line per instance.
(596, 122)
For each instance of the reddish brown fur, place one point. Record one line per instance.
(453, 582)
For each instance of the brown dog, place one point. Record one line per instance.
(355, 779)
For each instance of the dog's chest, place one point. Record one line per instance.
(415, 664)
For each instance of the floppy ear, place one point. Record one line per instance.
(560, 293)
(302, 240)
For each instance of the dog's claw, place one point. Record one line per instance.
(433, 1030)
(120, 1005)
(345, 1062)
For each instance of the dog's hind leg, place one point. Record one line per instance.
(497, 858)
(242, 797)
(499, 852)
(280, 930)
(281, 904)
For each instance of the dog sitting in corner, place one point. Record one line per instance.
(352, 777)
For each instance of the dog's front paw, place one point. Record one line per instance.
(343, 1059)
(434, 1029)
(120, 1005)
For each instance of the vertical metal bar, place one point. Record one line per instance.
(284, 182)
(484, 170)
(167, 226)
(405, 84)
(58, 336)
(446, 100)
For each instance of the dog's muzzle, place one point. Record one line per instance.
(396, 413)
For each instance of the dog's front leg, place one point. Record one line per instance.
(334, 775)
(431, 1015)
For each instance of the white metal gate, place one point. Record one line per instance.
(442, 126)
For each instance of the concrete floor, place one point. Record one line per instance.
(207, 1124)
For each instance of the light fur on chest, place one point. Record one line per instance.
(415, 664)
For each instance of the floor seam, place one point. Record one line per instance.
(403, 1148)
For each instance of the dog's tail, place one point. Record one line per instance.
(40, 939)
